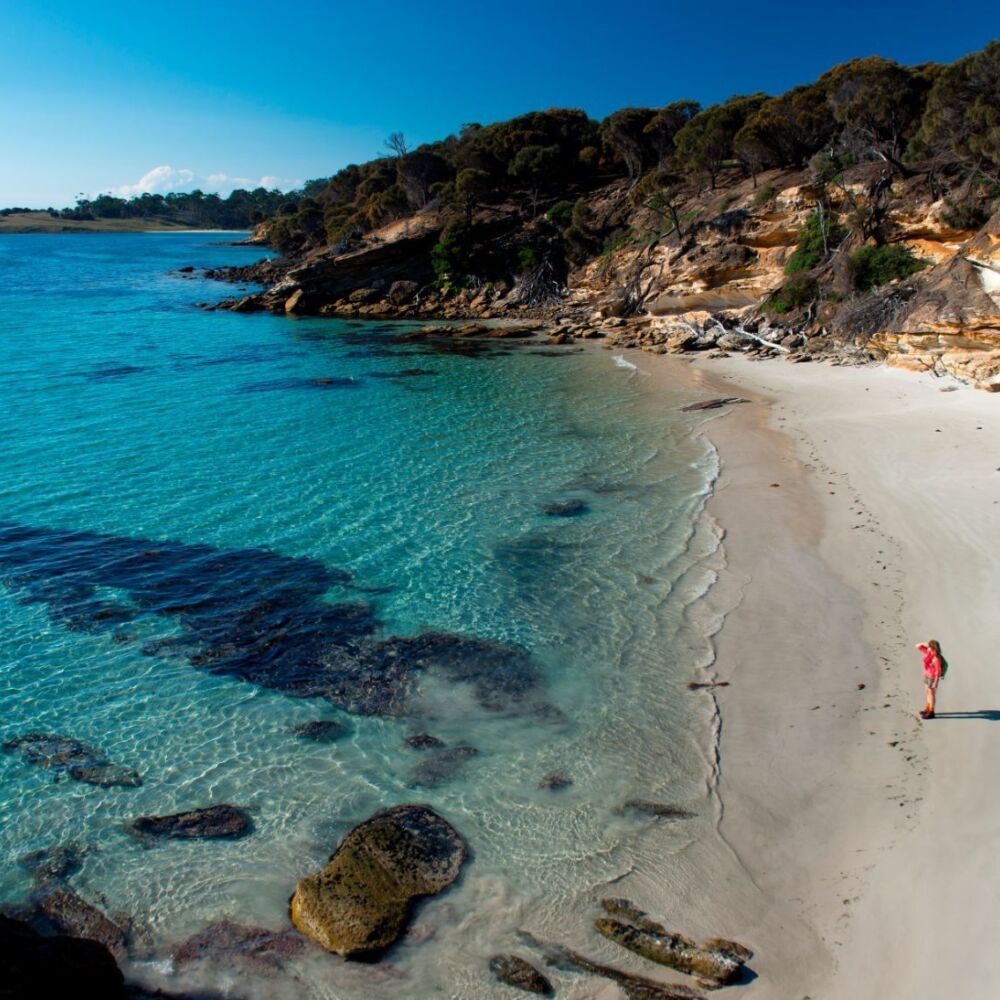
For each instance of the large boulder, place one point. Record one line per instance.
(403, 292)
(360, 903)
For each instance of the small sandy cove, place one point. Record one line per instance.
(859, 847)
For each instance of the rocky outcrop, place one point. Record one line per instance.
(713, 964)
(634, 987)
(64, 754)
(360, 903)
(224, 821)
(951, 321)
(70, 914)
(512, 970)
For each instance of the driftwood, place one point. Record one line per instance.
(713, 964)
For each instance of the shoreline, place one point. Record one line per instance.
(848, 830)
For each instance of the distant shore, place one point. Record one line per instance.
(856, 852)
(26, 223)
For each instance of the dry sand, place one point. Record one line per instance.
(859, 848)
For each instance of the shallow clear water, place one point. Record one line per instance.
(130, 415)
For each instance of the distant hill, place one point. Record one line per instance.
(43, 222)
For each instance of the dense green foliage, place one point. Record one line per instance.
(816, 239)
(873, 266)
(544, 166)
(798, 292)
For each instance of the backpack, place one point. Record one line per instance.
(944, 666)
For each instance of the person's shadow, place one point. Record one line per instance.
(990, 714)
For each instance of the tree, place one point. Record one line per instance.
(786, 130)
(470, 185)
(665, 124)
(878, 103)
(535, 166)
(961, 120)
(705, 143)
(625, 133)
(396, 144)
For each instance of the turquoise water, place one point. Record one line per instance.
(197, 507)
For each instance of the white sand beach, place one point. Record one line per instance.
(860, 508)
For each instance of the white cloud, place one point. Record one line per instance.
(163, 179)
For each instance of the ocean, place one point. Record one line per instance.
(198, 507)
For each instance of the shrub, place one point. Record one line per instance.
(560, 214)
(764, 196)
(452, 254)
(796, 293)
(874, 266)
(811, 247)
(527, 258)
(963, 216)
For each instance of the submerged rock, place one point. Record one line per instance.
(659, 810)
(423, 741)
(215, 821)
(53, 864)
(80, 760)
(713, 964)
(225, 941)
(565, 508)
(320, 731)
(106, 775)
(439, 767)
(360, 903)
(555, 781)
(257, 616)
(516, 972)
(69, 913)
(34, 966)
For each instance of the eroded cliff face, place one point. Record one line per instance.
(670, 289)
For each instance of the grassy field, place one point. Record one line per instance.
(42, 222)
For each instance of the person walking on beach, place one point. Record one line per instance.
(935, 666)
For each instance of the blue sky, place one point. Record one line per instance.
(95, 96)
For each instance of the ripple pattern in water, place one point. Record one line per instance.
(201, 511)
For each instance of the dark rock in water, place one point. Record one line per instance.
(187, 269)
(556, 781)
(660, 810)
(320, 731)
(106, 775)
(113, 370)
(215, 821)
(565, 508)
(70, 914)
(516, 972)
(275, 385)
(437, 768)
(558, 956)
(37, 968)
(260, 617)
(51, 750)
(404, 373)
(53, 864)
(714, 964)
(423, 741)
(224, 941)
(63, 753)
(360, 903)
(712, 404)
